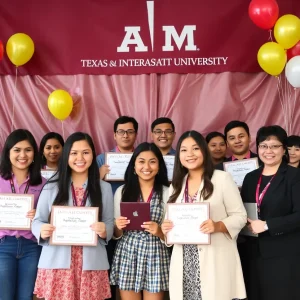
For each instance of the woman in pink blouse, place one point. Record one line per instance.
(19, 251)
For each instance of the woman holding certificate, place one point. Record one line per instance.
(19, 251)
(141, 262)
(271, 260)
(50, 150)
(68, 270)
(210, 271)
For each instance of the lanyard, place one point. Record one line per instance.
(83, 201)
(13, 190)
(149, 198)
(186, 192)
(259, 197)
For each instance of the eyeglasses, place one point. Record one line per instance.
(271, 147)
(121, 132)
(167, 132)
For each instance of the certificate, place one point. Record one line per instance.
(47, 173)
(72, 225)
(240, 168)
(118, 163)
(187, 218)
(13, 210)
(169, 161)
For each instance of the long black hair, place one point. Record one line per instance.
(15, 137)
(46, 137)
(132, 190)
(64, 174)
(180, 171)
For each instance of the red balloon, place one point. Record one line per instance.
(1, 50)
(264, 13)
(294, 51)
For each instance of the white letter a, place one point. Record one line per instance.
(136, 40)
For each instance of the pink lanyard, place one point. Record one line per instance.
(259, 197)
(13, 190)
(83, 201)
(186, 192)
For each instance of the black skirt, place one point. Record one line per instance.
(274, 278)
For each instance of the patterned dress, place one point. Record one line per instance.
(73, 283)
(191, 268)
(141, 260)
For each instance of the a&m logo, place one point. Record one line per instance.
(172, 37)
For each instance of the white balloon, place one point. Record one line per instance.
(292, 71)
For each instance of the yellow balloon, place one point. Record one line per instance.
(287, 31)
(272, 58)
(19, 49)
(60, 104)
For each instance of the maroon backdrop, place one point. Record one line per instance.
(83, 36)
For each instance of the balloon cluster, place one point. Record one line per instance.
(20, 49)
(273, 56)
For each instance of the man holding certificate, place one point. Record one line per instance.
(73, 223)
(238, 140)
(125, 133)
(205, 262)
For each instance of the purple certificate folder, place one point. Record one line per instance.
(137, 213)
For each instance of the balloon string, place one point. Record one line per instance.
(63, 131)
(281, 102)
(14, 99)
(270, 36)
(294, 106)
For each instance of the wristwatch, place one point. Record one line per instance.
(266, 227)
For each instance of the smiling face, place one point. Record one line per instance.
(163, 136)
(190, 154)
(80, 157)
(21, 156)
(146, 166)
(238, 141)
(52, 151)
(271, 157)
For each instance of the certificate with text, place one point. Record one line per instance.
(240, 168)
(169, 161)
(187, 218)
(13, 210)
(72, 225)
(118, 163)
(47, 173)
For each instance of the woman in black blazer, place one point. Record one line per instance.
(271, 261)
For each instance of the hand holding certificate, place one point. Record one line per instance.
(16, 211)
(117, 163)
(187, 219)
(240, 168)
(73, 226)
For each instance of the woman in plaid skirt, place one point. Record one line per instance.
(141, 261)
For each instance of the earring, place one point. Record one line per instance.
(134, 172)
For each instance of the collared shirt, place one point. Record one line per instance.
(171, 152)
(247, 156)
(5, 187)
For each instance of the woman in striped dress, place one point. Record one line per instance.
(141, 260)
